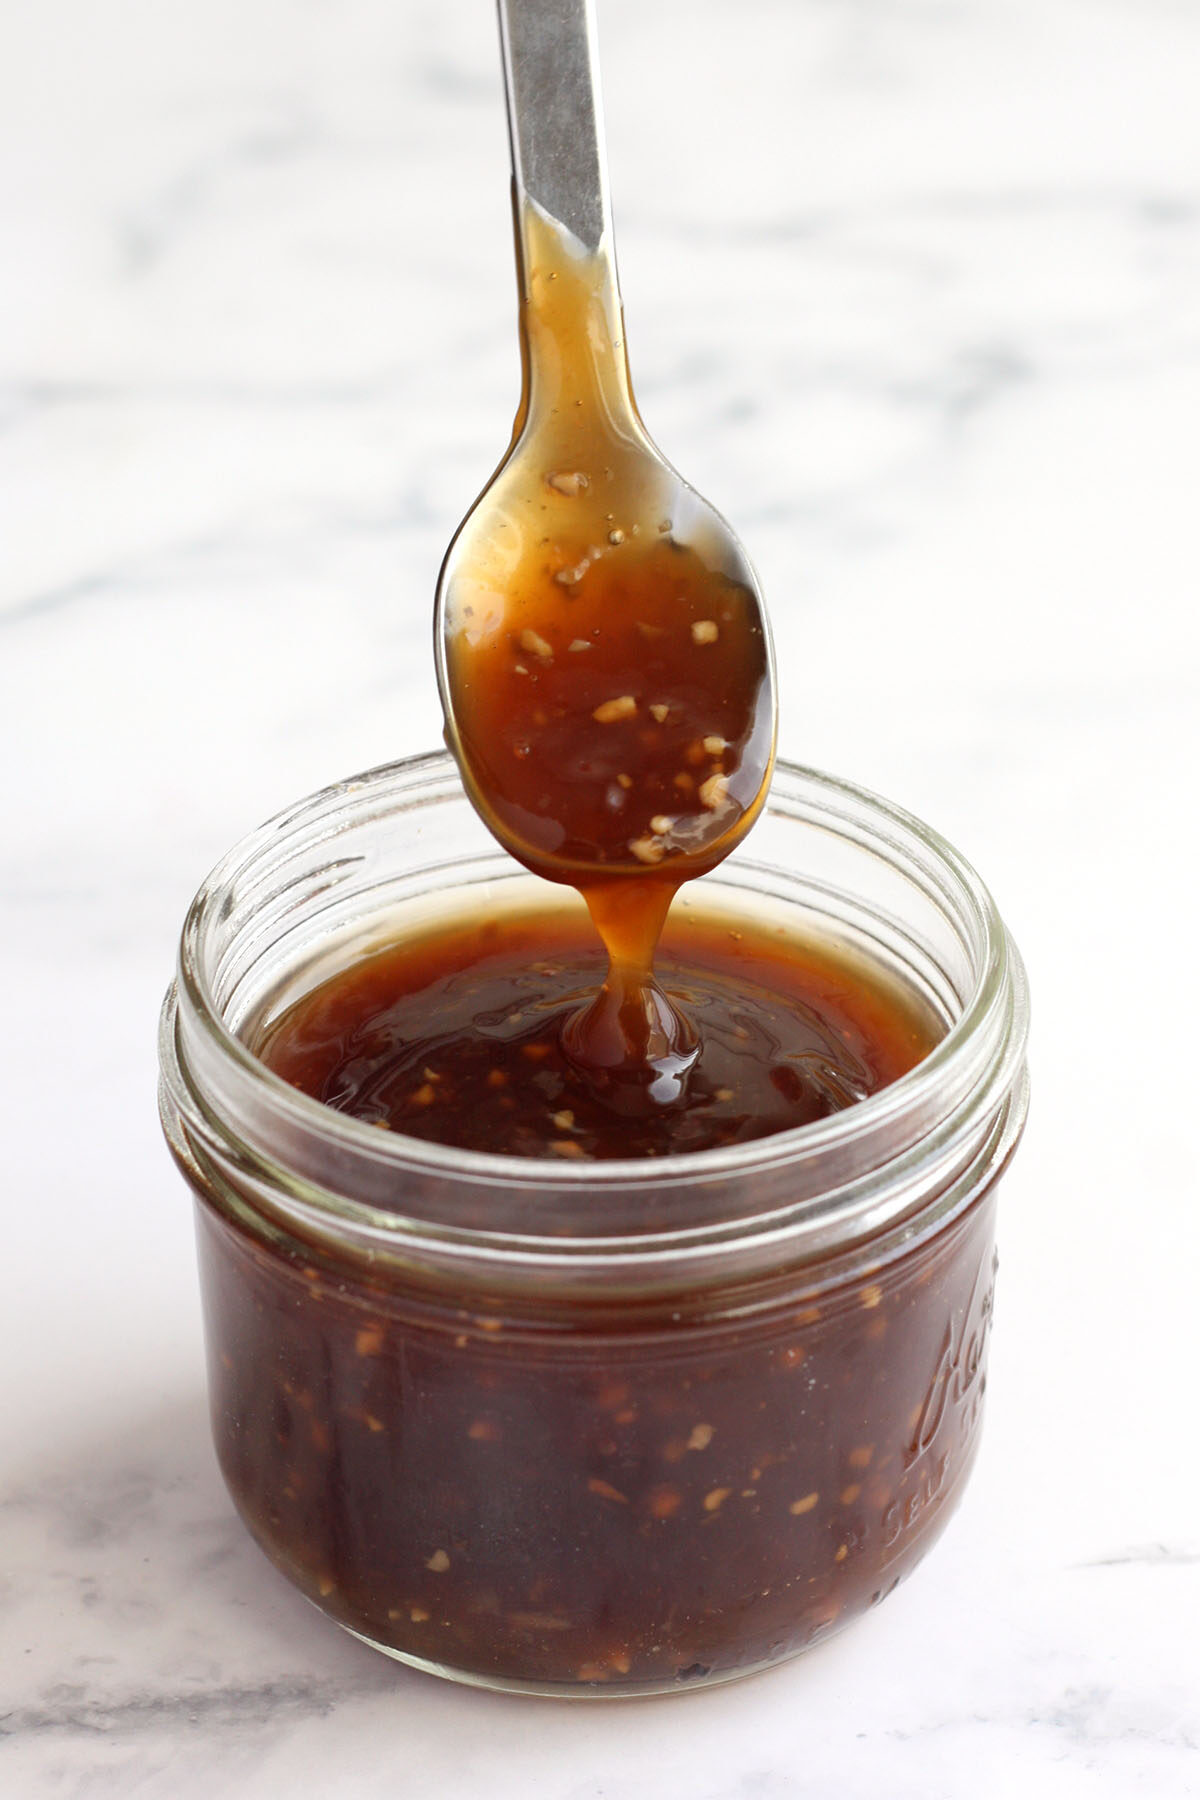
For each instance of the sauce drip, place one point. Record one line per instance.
(613, 714)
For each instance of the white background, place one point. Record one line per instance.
(913, 294)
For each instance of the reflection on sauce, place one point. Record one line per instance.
(456, 1037)
(609, 664)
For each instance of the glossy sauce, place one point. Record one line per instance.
(587, 1491)
(457, 1037)
(610, 670)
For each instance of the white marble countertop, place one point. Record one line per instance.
(913, 292)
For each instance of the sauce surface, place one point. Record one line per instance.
(458, 1038)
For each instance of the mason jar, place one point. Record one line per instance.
(603, 1428)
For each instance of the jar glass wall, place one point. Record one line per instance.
(610, 1428)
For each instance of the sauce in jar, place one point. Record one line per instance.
(457, 1038)
(595, 1507)
(619, 1503)
(562, 1423)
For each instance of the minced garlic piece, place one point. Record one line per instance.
(713, 791)
(609, 711)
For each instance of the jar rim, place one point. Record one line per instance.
(919, 1095)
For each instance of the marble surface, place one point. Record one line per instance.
(913, 292)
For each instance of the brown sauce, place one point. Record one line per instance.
(609, 666)
(597, 1502)
(457, 1037)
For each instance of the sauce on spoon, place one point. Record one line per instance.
(605, 663)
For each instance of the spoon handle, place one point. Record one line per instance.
(555, 119)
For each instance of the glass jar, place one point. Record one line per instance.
(605, 1428)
